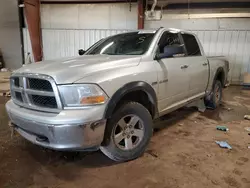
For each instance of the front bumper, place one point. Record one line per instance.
(81, 129)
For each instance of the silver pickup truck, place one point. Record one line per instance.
(108, 97)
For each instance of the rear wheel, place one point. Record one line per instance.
(129, 131)
(216, 95)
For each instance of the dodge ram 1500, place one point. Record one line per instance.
(108, 97)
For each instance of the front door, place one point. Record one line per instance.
(173, 77)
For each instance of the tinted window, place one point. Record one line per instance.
(134, 43)
(170, 45)
(191, 44)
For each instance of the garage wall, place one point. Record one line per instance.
(89, 16)
(65, 43)
(229, 37)
(10, 42)
(69, 27)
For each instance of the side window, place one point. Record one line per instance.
(170, 45)
(191, 44)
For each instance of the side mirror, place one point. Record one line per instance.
(81, 52)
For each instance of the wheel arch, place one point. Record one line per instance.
(220, 75)
(132, 87)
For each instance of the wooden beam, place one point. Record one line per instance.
(32, 14)
(140, 14)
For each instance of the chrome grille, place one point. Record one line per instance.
(38, 84)
(16, 82)
(47, 101)
(34, 91)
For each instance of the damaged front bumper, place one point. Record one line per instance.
(81, 129)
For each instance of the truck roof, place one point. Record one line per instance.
(174, 30)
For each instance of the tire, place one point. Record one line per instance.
(216, 95)
(131, 124)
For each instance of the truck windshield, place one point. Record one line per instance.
(134, 43)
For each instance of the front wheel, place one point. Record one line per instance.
(129, 131)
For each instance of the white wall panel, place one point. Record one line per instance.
(234, 23)
(69, 27)
(122, 17)
(234, 44)
(89, 16)
(58, 43)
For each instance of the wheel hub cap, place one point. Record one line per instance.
(128, 132)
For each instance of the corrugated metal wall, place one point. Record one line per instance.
(234, 44)
(69, 27)
(58, 43)
(64, 43)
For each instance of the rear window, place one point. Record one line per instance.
(191, 44)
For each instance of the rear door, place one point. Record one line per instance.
(198, 69)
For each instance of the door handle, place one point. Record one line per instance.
(184, 66)
(204, 64)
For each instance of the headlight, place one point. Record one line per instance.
(78, 95)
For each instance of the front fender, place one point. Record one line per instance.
(131, 87)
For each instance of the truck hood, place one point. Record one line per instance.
(70, 70)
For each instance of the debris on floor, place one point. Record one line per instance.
(226, 108)
(222, 128)
(5, 94)
(223, 144)
(152, 153)
(247, 129)
(4, 70)
(247, 117)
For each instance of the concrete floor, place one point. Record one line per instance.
(181, 154)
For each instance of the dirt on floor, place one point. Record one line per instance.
(182, 154)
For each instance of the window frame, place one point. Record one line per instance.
(181, 41)
(186, 51)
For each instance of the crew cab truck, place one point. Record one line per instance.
(108, 97)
